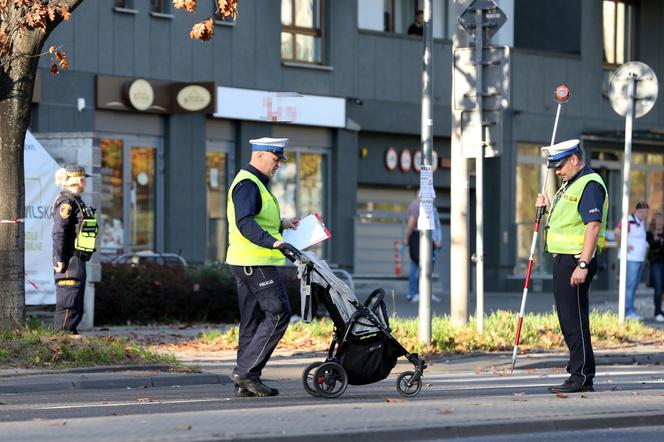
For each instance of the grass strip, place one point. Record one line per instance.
(38, 347)
(540, 332)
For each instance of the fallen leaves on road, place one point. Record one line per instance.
(444, 412)
(394, 400)
(143, 399)
(183, 427)
(561, 395)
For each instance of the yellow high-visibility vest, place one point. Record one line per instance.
(241, 251)
(565, 226)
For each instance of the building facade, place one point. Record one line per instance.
(164, 121)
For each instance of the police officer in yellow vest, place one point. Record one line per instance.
(74, 232)
(574, 236)
(255, 227)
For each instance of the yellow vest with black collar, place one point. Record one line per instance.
(566, 230)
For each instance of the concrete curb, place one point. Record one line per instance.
(482, 429)
(117, 383)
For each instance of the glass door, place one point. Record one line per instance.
(143, 196)
(131, 211)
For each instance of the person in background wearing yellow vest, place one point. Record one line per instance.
(574, 235)
(73, 245)
(255, 227)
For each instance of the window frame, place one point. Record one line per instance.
(314, 32)
(629, 32)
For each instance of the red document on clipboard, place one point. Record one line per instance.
(310, 231)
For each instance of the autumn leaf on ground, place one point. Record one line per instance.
(143, 400)
(183, 427)
(561, 395)
(444, 412)
(392, 400)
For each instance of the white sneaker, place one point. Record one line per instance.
(659, 318)
(633, 317)
(415, 298)
(435, 298)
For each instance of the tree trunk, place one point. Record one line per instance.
(16, 88)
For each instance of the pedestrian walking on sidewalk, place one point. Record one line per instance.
(412, 241)
(74, 232)
(655, 237)
(575, 234)
(637, 249)
(255, 227)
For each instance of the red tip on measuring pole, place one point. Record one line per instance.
(561, 94)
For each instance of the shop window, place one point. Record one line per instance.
(300, 186)
(619, 35)
(216, 179)
(397, 15)
(302, 31)
(528, 178)
(112, 197)
(159, 6)
(123, 4)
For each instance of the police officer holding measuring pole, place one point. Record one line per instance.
(574, 235)
(74, 233)
(254, 257)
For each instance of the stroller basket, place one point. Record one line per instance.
(363, 350)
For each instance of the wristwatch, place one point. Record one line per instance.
(583, 265)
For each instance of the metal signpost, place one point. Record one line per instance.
(633, 92)
(425, 220)
(482, 99)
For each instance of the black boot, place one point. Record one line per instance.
(254, 386)
(571, 386)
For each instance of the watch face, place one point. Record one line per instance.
(583, 264)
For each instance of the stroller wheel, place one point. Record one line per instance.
(403, 387)
(330, 380)
(308, 379)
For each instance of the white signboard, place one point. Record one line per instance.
(40, 193)
(280, 107)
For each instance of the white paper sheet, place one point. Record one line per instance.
(310, 231)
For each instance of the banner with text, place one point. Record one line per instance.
(40, 193)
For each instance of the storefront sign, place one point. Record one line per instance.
(405, 160)
(155, 96)
(193, 98)
(280, 107)
(391, 159)
(140, 94)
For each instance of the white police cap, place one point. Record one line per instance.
(275, 145)
(557, 153)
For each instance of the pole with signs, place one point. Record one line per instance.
(481, 78)
(633, 92)
(425, 222)
(479, 174)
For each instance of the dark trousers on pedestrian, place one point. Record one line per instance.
(70, 295)
(264, 316)
(572, 306)
(657, 278)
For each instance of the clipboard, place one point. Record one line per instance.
(310, 231)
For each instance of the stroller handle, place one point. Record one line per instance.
(290, 252)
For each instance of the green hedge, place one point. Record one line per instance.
(149, 293)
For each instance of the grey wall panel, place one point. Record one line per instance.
(246, 36)
(142, 43)
(160, 54)
(222, 45)
(86, 39)
(221, 130)
(58, 109)
(341, 46)
(124, 34)
(185, 204)
(267, 46)
(344, 196)
(303, 136)
(105, 28)
(366, 61)
(409, 65)
(387, 69)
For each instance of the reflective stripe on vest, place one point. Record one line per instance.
(241, 251)
(566, 230)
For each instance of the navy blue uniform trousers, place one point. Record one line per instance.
(69, 295)
(572, 306)
(264, 316)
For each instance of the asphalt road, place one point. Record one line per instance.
(468, 398)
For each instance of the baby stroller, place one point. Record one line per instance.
(362, 351)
